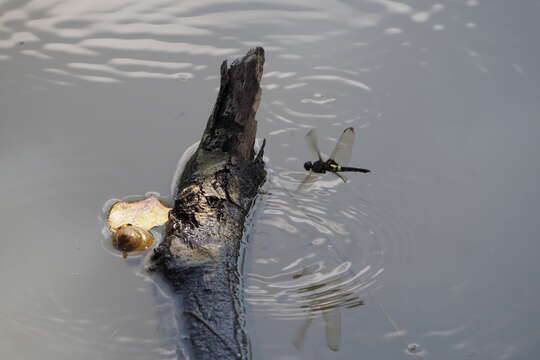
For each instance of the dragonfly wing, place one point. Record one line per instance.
(311, 140)
(332, 319)
(301, 334)
(308, 181)
(343, 150)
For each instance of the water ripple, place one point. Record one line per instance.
(343, 80)
(133, 74)
(62, 330)
(343, 251)
(155, 45)
(65, 33)
(18, 39)
(74, 49)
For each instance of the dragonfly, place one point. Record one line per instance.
(335, 164)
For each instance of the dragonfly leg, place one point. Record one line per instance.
(342, 177)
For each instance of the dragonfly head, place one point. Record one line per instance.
(308, 165)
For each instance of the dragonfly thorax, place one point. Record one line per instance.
(320, 167)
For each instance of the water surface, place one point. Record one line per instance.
(432, 255)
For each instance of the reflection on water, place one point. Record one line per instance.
(82, 41)
(332, 319)
(342, 247)
(328, 302)
(99, 98)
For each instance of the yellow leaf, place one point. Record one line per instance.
(145, 214)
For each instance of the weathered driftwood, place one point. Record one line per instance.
(199, 256)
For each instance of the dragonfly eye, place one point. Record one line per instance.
(308, 165)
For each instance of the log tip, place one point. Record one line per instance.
(223, 70)
(257, 52)
(254, 54)
(254, 58)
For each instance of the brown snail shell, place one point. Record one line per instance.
(130, 238)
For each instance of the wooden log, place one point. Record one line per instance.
(199, 256)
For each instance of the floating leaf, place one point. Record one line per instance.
(145, 214)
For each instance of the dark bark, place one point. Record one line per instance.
(200, 254)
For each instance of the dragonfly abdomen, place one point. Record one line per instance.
(346, 168)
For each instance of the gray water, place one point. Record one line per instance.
(433, 255)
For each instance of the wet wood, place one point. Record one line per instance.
(200, 255)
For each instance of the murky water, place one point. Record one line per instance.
(432, 255)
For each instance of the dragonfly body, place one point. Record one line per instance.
(322, 167)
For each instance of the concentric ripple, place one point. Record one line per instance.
(343, 247)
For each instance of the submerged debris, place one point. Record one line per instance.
(145, 214)
(130, 223)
